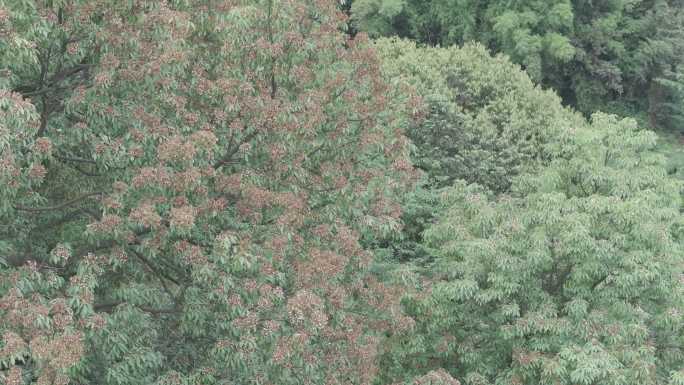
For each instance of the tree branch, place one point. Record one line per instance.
(74, 159)
(109, 306)
(159, 273)
(227, 158)
(59, 206)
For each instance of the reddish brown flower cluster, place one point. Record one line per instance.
(37, 172)
(248, 322)
(43, 146)
(306, 309)
(257, 126)
(14, 374)
(107, 224)
(61, 253)
(80, 286)
(188, 180)
(4, 15)
(270, 327)
(436, 377)
(525, 358)
(204, 140)
(152, 176)
(183, 217)
(176, 149)
(16, 102)
(56, 346)
(14, 345)
(192, 254)
(19, 311)
(112, 203)
(62, 315)
(145, 215)
(59, 352)
(287, 346)
(366, 354)
(319, 268)
(387, 297)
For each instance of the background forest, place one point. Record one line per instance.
(276, 192)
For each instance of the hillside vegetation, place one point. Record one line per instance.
(209, 192)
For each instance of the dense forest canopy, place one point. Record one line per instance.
(322, 192)
(624, 56)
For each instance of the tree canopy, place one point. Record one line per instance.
(212, 192)
(486, 120)
(573, 277)
(618, 56)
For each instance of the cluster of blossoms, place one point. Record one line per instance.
(13, 345)
(145, 215)
(183, 217)
(176, 149)
(58, 345)
(287, 347)
(14, 374)
(43, 146)
(436, 377)
(192, 254)
(152, 176)
(306, 308)
(108, 224)
(37, 172)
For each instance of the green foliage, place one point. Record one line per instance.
(212, 192)
(573, 277)
(532, 32)
(624, 48)
(607, 55)
(671, 111)
(385, 11)
(486, 122)
(483, 121)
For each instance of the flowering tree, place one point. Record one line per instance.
(187, 187)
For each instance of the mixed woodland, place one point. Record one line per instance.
(319, 192)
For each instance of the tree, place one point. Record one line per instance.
(533, 33)
(623, 49)
(484, 122)
(573, 277)
(187, 168)
(672, 110)
(41, 336)
(605, 55)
